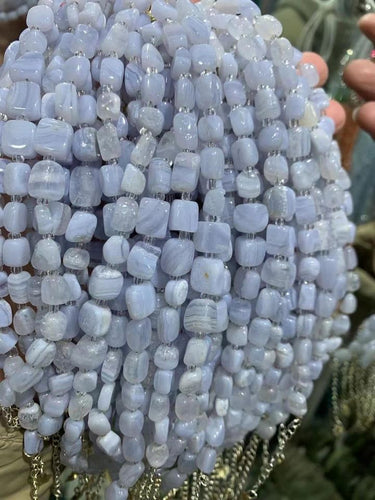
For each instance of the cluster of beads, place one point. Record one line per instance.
(362, 347)
(174, 185)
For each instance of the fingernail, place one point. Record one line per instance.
(365, 18)
(355, 113)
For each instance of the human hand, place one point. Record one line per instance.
(360, 76)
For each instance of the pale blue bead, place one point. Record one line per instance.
(307, 297)
(244, 153)
(85, 40)
(294, 107)
(235, 93)
(144, 150)
(159, 176)
(196, 29)
(286, 76)
(47, 181)
(124, 215)
(15, 217)
(168, 110)
(308, 241)
(112, 73)
(136, 367)
(84, 189)
(151, 58)
(140, 300)
(142, 260)
(281, 202)
(305, 210)
(122, 126)
(185, 172)
(207, 276)
(17, 139)
(66, 102)
(163, 381)
(86, 110)
(242, 121)
(110, 180)
(239, 311)
(47, 108)
(23, 100)
(54, 138)
(131, 423)
(89, 354)
(278, 273)
(138, 334)
(268, 303)
(133, 448)
(259, 73)
(109, 144)
(212, 237)
(250, 218)
(81, 227)
(185, 131)
(16, 178)
(181, 62)
(177, 257)
(267, 106)
(208, 91)
(108, 105)
(32, 40)
(273, 138)
(184, 92)
(280, 240)
(76, 70)
(184, 216)
(211, 128)
(151, 119)
(116, 492)
(29, 66)
(212, 163)
(203, 58)
(231, 359)
(84, 145)
(246, 283)
(206, 460)
(201, 316)
(152, 89)
(166, 357)
(299, 143)
(153, 217)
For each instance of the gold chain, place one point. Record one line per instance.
(338, 426)
(36, 471)
(10, 415)
(56, 466)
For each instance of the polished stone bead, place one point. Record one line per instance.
(24, 101)
(108, 141)
(46, 255)
(89, 354)
(196, 351)
(47, 181)
(94, 319)
(18, 139)
(8, 338)
(185, 131)
(244, 153)
(280, 240)
(81, 227)
(250, 217)
(16, 252)
(25, 378)
(54, 138)
(184, 216)
(152, 218)
(141, 300)
(16, 178)
(185, 172)
(15, 217)
(246, 283)
(136, 367)
(28, 67)
(207, 276)
(212, 237)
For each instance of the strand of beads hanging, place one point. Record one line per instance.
(174, 182)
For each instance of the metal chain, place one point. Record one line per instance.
(36, 471)
(10, 415)
(56, 466)
(338, 426)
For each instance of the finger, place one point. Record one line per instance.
(337, 113)
(365, 117)
(360, 76)
(367, 26)
(319, 63)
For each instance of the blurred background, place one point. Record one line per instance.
(332, 457)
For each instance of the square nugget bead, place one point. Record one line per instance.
(142, 260)
(81, 227)
(184, 216)
(280, 240)
(54, 138)
(207, 276)
(17, 139)
(29, 66)
(185, 172)
(212, 237)
(24, 101)
(250, 218)
(153, 218)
